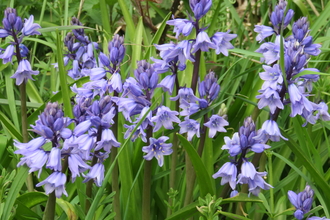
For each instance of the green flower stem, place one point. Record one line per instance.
(146, 202)
(174, 156)
(190, 180)
(25, 135)
(271, 182)
(50, 207)
(89, 184)
(115, 179)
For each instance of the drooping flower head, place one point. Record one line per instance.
(157, 148)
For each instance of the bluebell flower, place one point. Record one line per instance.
(107, 141)
(30, 28)
(117, 50)
(115, 83)
(186, 94)
(23, 50)
(35, 160)
(309, 47)
(317, 218)
(263, 32)
(168, 83)
(146, 75)
(7, 56)
(157, 148)
(272, 76)
(55, 181)
(97, 74)
(203, 43)
(11, 22)
(165, 117)
(216, 124)
(188, 108)
(302, 201)
(24, 72)
(228, 173)
(77, 165)
(270, 98)
(181, 26)
(54, 161)
(270, 51)
(300, 28)
(323, 113)
(298, 101)
(139, 133)
(96, 173)
(209, 87)
(191, 127)
(222, 42)
(200, 7)
(278, 18)
(232, 145)
(233, 193)
(269, 130)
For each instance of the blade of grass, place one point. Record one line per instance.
(63, 81)
(10, 96)
(204, 179)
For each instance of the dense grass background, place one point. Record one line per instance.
(290, 164)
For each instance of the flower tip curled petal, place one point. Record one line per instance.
(221, 40)
(168, 83)
(233, 145)
(233, 193)
(269, 130)
(157, 148)
(216, 123)
(30, 28)
(293, 197)
(96, 173)
(56, 181)
(3, 33)
(191, 127)
(23, 72)
(228, 173)
(203, 43)
(263, 32)
(8, 54)
(165, 117)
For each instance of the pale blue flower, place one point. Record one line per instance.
(157, 148)
(216, 124)
(55, 181)
(24, 72)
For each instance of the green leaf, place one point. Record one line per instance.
(10, 95)
(128, 19)
(322, 20)
(63, 81)
(32, 92)
(10, 128)
(62, 28)
(308, 72)
(137, 44)
(242, 197)
(204, 178)
(233, 216)
(13, 192)
(151, 49)
(68, 208)
(185, 212)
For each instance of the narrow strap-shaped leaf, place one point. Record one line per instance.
(13, 192)
(204, 178)
(128, 19)
(63, 76)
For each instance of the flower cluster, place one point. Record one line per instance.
(297, 48)
(80, 51)
(239, 170)
(14, 26)
(303, 203)
(52, 128)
